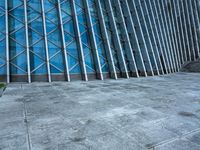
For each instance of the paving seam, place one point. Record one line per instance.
(29, 147)
(174, 139)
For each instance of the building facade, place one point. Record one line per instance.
(64, 40)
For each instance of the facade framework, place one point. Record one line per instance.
(64, 40)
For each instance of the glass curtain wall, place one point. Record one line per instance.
(64, 40)
(3, 60)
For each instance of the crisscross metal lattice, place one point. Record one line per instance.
(62, 40)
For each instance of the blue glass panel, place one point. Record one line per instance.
(2, 58)
(17, 43)
(2, 4)
(56, 59)
(69, 33)
(2, 40)
(36, 39)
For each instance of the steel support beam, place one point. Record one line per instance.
(132, 32)
(170, 32)
(27, 42)
(197, 17)
(79, 42)
(190, 29)
(174, 33)
(164, 44)
(106, 41)
(67, 75)
(156, 34)
(154, 39)
(186, 32)
(134, 8)
(93, 42)
(167, 38)
(164, 36)
(128, 49)
(177, 31)
(117, 42)
(182, 42)
(149, 39)
(194, 26)
(7, 43)
(45, 40)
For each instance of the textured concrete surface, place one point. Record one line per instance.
(156, 113)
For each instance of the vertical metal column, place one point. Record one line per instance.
(150, 41)
(174, 33)
(7, 43)
(117, 41)
(129, 51)
(163, 48)
(166, 30)
(94, 45)
(190, 28)
(45, 40)
(78, 37)
(186, 31)
(145, 46)
(198, 23)
(63, 42)
(133, 32)
(106, 40)
(170, 32)
(154, 39)
(164, 37)
(183, 48)
(27, 42)
(177, 31)
(194, 26)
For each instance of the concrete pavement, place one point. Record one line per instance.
(156, 113)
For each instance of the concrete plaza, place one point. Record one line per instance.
(156, 113)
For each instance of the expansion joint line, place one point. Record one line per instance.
(28, 139)
(174, 139)
(27, 127)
